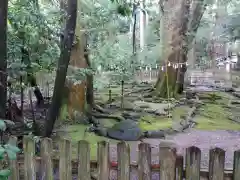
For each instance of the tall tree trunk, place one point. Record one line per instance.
(66, 46)
(188, 23)
(3, 56)
(77, 93)
(192, 54)
(175, 19)
(196, 12)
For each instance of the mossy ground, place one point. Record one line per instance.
(77, 132)
(155, 123)
(215, 115)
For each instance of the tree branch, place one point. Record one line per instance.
(198, 8)
(161, 6)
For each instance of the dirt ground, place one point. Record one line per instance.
(205, 140)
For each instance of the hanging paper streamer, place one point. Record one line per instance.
(168, 64)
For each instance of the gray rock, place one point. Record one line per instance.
(155, 134)
(131, 115)
(101, 131)
(126, 130)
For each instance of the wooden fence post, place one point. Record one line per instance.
(29, 160)
(46, 159)
(179, 166)
(144, 162)
(83, 160)
(216, 164)
(236, 165)
(193, 159)
(13, 163)
(65, 162)
(167, 161)
(123, 154)
(103, 160)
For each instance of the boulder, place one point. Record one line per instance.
(127, 130)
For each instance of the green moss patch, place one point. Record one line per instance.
(149, 122)
(77, 133)
(215, 117)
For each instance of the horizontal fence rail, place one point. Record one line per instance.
(171, 166)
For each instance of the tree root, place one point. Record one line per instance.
(100, 109)
(107, 116)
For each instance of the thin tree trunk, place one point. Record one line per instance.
(238, 61)
(31, 78)
(3, 55)
(61, 73)
(134, 45)
(89, 93)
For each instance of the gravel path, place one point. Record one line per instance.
(205, 140)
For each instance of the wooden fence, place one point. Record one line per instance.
(171, 166)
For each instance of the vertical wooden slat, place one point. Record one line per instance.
(29, 161)
(144, 164)
(179, 167)
(46, 161)
(236, 165)
(193, 159)
(65, 162)
(123, 153)
(13, 163)
(216, 164)
(83, 160)
(167, 158)
(103, 160)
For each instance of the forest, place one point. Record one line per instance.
(119, 70)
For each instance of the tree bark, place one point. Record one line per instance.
(3, 55)
(77, 93)
(66, 46)
(188, 22)
(173, 44)
(89, 92)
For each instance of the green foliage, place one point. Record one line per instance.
(4, 174)
(36, 32)
(123, 8)
(214, 97)
(9, 149)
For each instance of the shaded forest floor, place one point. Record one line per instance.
(216, 122)
(216, 114)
